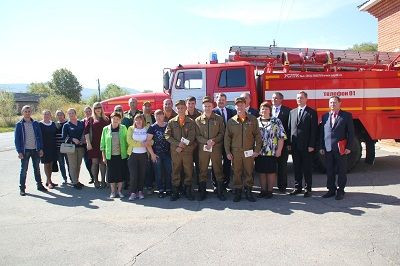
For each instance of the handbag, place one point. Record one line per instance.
(67, 147)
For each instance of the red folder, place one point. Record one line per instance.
(342, 146)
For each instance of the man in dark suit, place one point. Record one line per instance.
(336, 139)
(302, 131)
(249, 110)
(226, 114)
(282, 112)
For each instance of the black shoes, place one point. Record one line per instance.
(78, 185)
(238, 195)
(188, 194)
(339, 195)
(22, 192)
(262, 194)
(202, 191)
(307, 193)
(268, 195)
(220, 191)
(265, 194)
(161, 194)
(329, 194)
(174, 194)
(296, 191)
(249, 195)
(41, 188)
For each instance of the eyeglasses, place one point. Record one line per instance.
(118, 110)
(97, 107)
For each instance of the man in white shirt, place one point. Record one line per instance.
(226, 113)
(282, 112)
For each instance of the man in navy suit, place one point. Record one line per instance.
(226, 114)
(302, 131)
(249, 110)
(337, 125)
(282, 112)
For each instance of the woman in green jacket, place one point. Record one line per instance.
(113, 146)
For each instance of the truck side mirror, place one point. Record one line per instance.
(166, 82)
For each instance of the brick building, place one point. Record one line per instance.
(388, 14)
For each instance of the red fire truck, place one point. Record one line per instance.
(367, 82)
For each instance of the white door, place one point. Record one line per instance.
(189, 82)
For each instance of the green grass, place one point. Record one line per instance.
(6, 129)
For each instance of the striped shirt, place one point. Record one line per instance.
(59, 138)
(30, 140)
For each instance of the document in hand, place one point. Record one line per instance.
(342, 146)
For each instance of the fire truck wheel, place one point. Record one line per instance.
(352, 159)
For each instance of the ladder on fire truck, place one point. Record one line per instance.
(310, 59)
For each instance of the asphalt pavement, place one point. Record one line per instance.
(69, 227)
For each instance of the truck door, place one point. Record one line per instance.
(189, 82)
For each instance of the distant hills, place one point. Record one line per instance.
(22, 87)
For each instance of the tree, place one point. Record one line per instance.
(7, 110)
(40, 88)
(365, 47)
(112, 90)
(66, 84)
(53, 103)
(92, 99)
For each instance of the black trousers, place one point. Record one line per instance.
(302, 161)
(137, 170)
(226, 169)
(336, 164)
(282, 168)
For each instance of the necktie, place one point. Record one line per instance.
(333, 119)
(223, 114)
(299, 116)
(276, 111)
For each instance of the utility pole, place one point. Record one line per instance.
(98, 88)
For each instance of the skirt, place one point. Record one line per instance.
(266, 164)
(49, 155)
(115, 169)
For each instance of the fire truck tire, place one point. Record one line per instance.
(352, 159)
(369, 152)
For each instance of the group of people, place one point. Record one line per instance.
(173, 150)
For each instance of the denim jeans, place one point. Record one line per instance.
(163, 168)
(88, 163)
(62, 160)
(24, 168)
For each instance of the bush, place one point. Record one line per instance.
(56, 102)
(7, 110)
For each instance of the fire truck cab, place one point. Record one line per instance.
(231, 78)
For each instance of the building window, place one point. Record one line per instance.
(232, 78)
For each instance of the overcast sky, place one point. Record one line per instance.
(130, 42)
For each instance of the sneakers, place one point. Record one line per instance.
(132, 196)
(112, 195)
(120, 195)
(141, 195)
